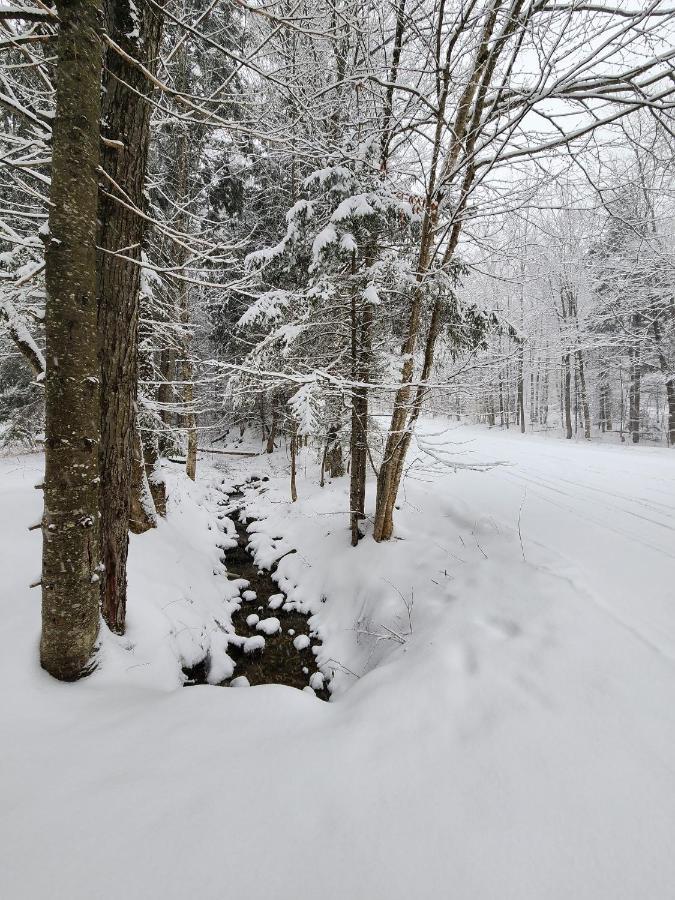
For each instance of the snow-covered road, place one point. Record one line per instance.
(503, 721)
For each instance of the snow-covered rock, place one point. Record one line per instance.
(254, 644)
(316, 681)
(269, 626)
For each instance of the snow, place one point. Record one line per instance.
(338, 174)
(324, 238)
(249, 596)
(357, 205)
(304, 405)
(18, 329)
(298, 214)
(275, 601)
(269, 626)
(267, 307)
(301, 642)
(501, 722)
(316, 681)
(370, 295)
(254, 644)
(252, 620)
(348, 242)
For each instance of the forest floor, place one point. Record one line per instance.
(501, 722)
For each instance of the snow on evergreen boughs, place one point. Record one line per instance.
(268, 306)
(305, 406)
(296, 218)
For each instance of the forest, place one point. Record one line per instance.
(337, 361)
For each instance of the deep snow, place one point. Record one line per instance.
(502, 719)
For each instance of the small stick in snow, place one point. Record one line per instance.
(520, 534)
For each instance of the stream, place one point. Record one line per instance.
(287, 656)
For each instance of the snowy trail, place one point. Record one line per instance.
(609, 510)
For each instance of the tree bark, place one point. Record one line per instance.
(294, 453)
(670, 383)
(521, 389)
(142, 512)
(153, 471)
(334, 461)
(182, 183)
(583, 392)
(670, 394)
(22, 338)
(605, 401)
(149, 435)
(567, 394)
(70, 554)
(165, 396)
(271, 437)
(634, 395)
(359, 430)
(126, 114)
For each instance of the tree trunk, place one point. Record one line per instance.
(70, 554)
(149, 436)
(334, 461)
(634, 395)
(670, 383)
(153, 472)
(501, 400)
(464, 134)
(142, 513)
(126, 114)
(189, 419)
(165, 396)
(294, 453)
(359, 466)
(361, 340)
(521, 389)
(585, 408)
(273, 431)
(670, 394)
(605, 401)
(567, 394)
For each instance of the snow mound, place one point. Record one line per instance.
(269, 626)
(254, 644)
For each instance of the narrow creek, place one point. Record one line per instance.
(287, 655)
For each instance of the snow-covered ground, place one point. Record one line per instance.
(502, 718)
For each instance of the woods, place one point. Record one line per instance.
(337, 368)
(317, 221)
